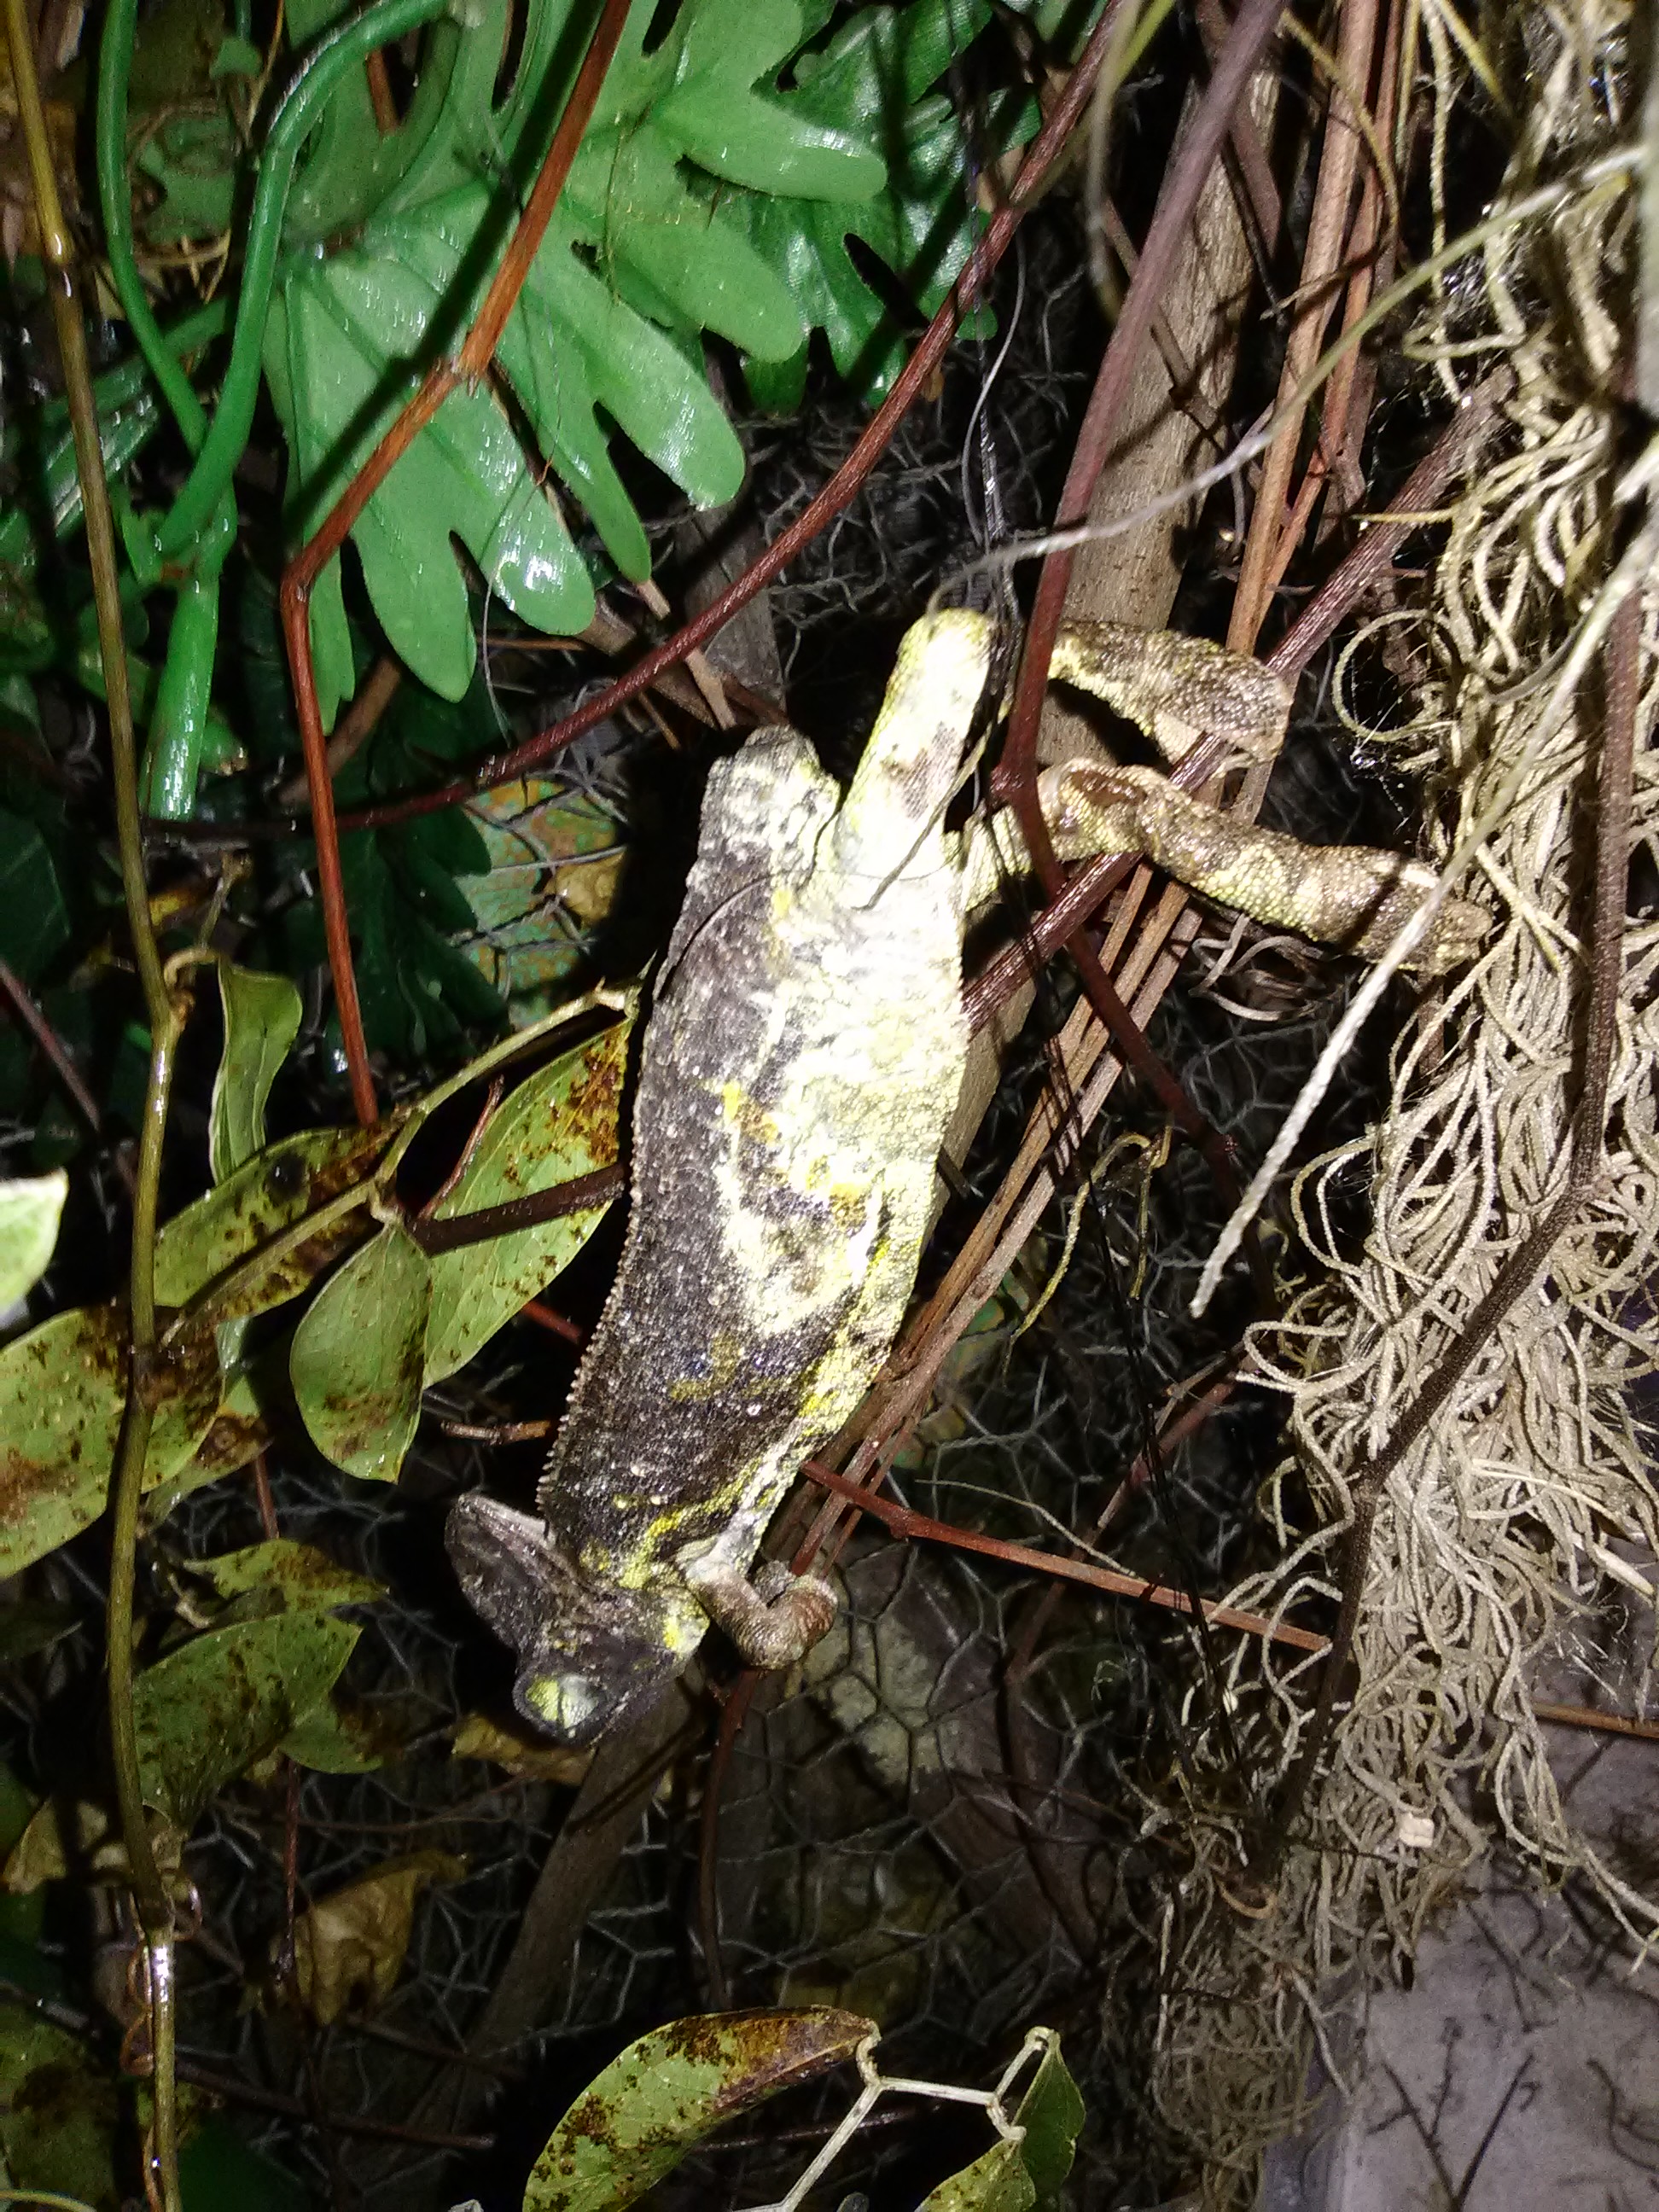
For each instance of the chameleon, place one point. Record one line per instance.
(803, 1057)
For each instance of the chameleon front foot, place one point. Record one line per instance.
(772, 1625)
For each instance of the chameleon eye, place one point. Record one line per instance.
(575, 1708)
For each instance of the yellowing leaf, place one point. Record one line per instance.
(358, 1355)
(262, 1019)
(348, 1948)
(560, 1124)
(533, 1758)
(30, 1213)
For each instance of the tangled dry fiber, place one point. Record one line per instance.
(1498, 1526)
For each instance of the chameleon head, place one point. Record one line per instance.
(591, 1655)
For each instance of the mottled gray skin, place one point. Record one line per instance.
(804, 1054)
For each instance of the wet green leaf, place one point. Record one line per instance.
(57, 2112)
(560, 1124)
(635, 2121)
(262, 1019)
(302, 1578)
(997, 2182)
(30, 1213)
(277, 1187)
(63, 1387)
(34, 919)
(357, 1360)
(642, 256)
(209, 1710)
(1052, 2114)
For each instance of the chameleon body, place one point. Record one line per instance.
(804, 1055)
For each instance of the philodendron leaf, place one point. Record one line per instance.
(30, 1213)
(643, 255)
(341, 1736)
(299, 1578)
(1052, 2114)
(873, 81)
(63, 1387)
(357, 1361)
(635, 2121)
(997, 2182)
(560, 1124)
(208, 1711)
(262, 1019)
(275, 1189)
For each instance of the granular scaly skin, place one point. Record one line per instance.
(804, 1055)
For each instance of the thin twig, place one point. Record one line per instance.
(155, 1905)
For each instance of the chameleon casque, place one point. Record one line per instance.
(803, 1057)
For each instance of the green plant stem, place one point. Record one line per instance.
(333, 59)
(154, 1904)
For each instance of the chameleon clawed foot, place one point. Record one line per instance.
(771, 1622)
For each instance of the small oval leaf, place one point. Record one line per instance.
(653, 2104)
(560, 1124)
(1052, 2114)
(358, 1357)
(30, 1210)
(204, 1713)
(997, 2182)
(303, 1579)
(63, 1387)
(262, 1019)
(276, 1188)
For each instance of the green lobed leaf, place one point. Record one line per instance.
(635, 2121)
(1052, 2113)
(262, 1017)
(871, 80)
(357, 1360)
(208, 1711)
(561, 1123)
(299, 1577)
(653, 244)
(997, 2182)
(30, 1210)
(63, 1387)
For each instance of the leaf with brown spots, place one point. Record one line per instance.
(276, 1188)
(208, 1711)
(997, 2182)
(560, 1124)
(298, 1578)
(654, 2104)
(63, 1387)
(358, 1357)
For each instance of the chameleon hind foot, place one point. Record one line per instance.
(771, 1622)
